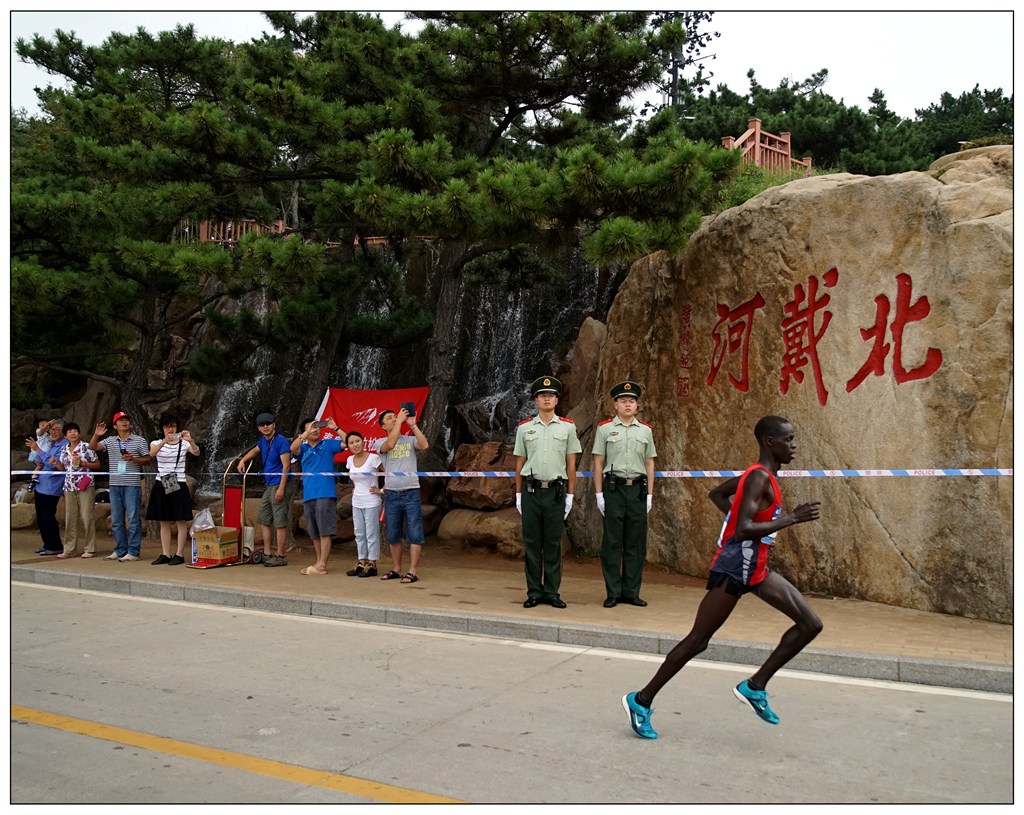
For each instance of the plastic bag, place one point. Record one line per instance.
(204, 520)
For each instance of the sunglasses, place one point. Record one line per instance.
(265, 424)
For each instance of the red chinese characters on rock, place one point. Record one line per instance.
(803, 329)
(905, 313)
(738, 323)
(799, 334)
(685, 364)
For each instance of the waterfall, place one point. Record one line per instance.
(510, 337)
(232, 432)
(366, 368)
(505, 337)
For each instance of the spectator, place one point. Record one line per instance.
(49, 491)
(126, 453)
(402, 503)
(319, 498)
(363, 467)
(170, 503)
(79, 491)
(276, 501)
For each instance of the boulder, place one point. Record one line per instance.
(483, 492)
(432, 516)
(23, 516)
(501, 530)
(101, 514)
(97, 404)
(876, 315)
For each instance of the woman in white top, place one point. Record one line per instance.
(363, 467)
(169, 504)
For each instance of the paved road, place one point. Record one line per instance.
(123, 699)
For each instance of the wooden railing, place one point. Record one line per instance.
(766, 150)
(230, 232)
(225, 232)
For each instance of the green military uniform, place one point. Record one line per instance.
(545, 485)
(625, 448)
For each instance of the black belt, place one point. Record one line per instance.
(542, 485)
(619, 481)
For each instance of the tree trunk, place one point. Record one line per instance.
(442, 351)
(320, 370)
(135, 382)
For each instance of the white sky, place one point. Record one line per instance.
(912, 56)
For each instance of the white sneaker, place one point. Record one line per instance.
(126, 558)
(113, 556)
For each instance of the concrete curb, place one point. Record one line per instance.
(915, 670)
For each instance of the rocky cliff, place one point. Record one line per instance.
(876, 315)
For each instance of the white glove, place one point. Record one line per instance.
(519, 503)
(650, 500)
(568, 505)
(600, 502)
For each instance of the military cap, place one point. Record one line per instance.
(627, 388)
(546, 384)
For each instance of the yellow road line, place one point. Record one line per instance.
(226, 758)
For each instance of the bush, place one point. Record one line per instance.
(986, 141)
(754, 180)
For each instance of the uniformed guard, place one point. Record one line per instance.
(623, 461)
(545, 451)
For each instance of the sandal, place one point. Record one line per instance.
(88, 554)
(312, 570)
(392, 575)
(409, 578)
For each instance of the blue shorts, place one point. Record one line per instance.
(732, 586)
(403, 507)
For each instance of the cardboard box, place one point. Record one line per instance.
(217, 545)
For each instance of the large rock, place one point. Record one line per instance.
(500, 530)
(902, 361)
(23, 516)
(483, 492)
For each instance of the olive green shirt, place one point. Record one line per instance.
(625, 447)
(545, 446)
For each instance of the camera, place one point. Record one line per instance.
(319, 424)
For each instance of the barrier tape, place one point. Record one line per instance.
(588, 474)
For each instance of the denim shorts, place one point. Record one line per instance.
(403, 506)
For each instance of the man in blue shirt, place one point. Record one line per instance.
(319, 498)
(276, 501)
(49, 489)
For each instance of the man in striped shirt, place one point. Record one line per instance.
(127, 453)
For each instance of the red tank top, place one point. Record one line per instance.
(746, 561)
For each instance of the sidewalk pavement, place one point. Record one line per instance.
(482, 593)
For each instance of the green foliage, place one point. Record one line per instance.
(969, 116)
(498, 132)
(987, 141)
(754, 180)
(520, 267)
(875, 142)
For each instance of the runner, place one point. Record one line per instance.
(753, 503)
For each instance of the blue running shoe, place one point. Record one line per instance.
(758, 701)
(639, 717)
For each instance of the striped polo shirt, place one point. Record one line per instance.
(124, 473)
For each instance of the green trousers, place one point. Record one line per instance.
(543, 527)
(624, 544)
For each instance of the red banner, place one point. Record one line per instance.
(358, 410)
